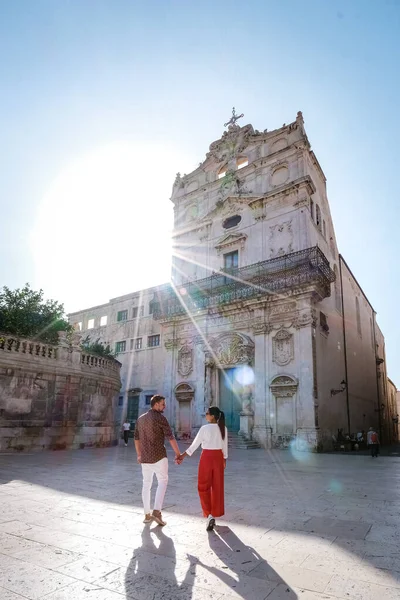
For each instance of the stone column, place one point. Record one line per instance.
(262, 428)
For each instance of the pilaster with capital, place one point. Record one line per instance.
(261, 429)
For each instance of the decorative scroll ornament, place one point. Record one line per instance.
(282, 348)
(185, 360)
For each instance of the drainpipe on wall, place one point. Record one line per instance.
(346, 375)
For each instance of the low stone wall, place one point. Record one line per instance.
(55, 397)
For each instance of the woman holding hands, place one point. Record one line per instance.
(213, 438)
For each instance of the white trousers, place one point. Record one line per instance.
(160, 468)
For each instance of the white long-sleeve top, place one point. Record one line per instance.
(210, 438)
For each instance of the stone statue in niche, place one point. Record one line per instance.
(247, 398)
(185, 361)
(282, 348)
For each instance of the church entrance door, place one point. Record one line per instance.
(229, 399)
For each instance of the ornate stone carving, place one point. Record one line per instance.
(305, 318)
(171, 343)
(232, 143)
(184, 392)
(260, 327)
(258, 208)
(231, 184)
(283, 386)
(233, 349)
(281, 239)
(282, 348)
(185, 360)
(280, 309)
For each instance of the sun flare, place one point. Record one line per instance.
(103, 227)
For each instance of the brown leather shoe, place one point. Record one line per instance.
(157, 517)
(148, 518)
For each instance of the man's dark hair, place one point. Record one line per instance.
(156, 399)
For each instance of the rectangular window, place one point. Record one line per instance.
(154, 307)
(312, 209)
(323, 321)
(231, 260)
(136, 344)
(90, 324)
(135, 311)
(120, 401)
(148, 399)
(103, 321)
(153, 340)
(122, 315)
(120, 347)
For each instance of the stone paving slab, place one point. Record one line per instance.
(297, 527)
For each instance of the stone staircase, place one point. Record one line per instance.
(235, 440)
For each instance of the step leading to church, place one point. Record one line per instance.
(235, 440)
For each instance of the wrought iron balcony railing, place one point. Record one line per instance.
(266, 278)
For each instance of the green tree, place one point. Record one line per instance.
(24, 313)
(97, 347)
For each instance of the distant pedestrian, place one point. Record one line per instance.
(213, 438)
(150, 431)
(373, 442)
(126, 428)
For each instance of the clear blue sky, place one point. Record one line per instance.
(77, 75)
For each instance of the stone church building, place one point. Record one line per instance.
(262, 315)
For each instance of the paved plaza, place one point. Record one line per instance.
(304, 527)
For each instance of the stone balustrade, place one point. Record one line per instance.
(56, 396)
(10, 343)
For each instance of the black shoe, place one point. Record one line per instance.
(210, 523)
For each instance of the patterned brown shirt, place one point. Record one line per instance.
(151, 430)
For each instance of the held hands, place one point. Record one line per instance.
(139, 458)
(179, 458)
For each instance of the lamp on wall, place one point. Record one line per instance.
(342, 389)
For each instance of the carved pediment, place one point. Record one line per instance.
(231, 239)
(184, 392)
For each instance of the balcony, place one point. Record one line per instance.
(291, 272)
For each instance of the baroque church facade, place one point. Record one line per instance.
(262, 315)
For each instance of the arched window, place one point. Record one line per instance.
(358, 317)
(222, 172)
(242, 162)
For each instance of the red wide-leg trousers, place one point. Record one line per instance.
(211, 482)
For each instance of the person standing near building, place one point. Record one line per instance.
(373, 442)
(126, 428)
(213, 438)
(150, 432)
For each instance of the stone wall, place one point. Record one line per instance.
(55, 397)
